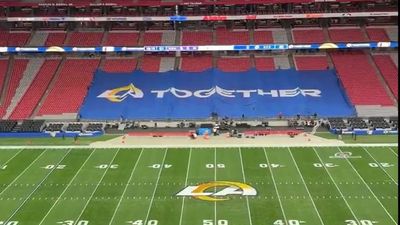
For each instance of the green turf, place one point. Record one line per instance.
(295, 186)
(361, 138)
(53, 141)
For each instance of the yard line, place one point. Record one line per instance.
(97, 186)
(37, 187)
(215, 188)
(305, 185)
(126, 187)
(66, 188)
(186, 181)
(380, 203)
(276, 188)
(380, 166)
(22, 172)
(9, 160)
(244, 179)
(155, 189)
(393, 151)
(337, 187)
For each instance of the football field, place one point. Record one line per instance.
(199, 186)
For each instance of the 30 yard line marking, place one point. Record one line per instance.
(9, 160)
(362, 179)
(26, 169)
(305, 185)
(155, 188)
(380, 166)
(244, 179)
(186, 181)
(337, 187)
(36, 188)
(276, 188)
(95, 189)
(66, 188)
(126, 187)
(394, 152)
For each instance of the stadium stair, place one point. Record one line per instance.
(3, 72)
(281, 62)
(392, 32)
(167, 64)
(395, 58)
(280, 36)
(38, 39)
(389, 72)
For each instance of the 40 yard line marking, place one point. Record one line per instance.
(244, 179)
(126, 187)
(66, 188)
(362, 179)
(97, 186)
(276, 188)
(380, 166)
(186, 181)
(305, 185)
(155, 189)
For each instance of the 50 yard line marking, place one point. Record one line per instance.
(186, 181)
(362, 179)
(244, 179)
(276, 188)
(126, 187)
(66, 188)
(380, 166)
(155, 189)
(305, 185)
(97, 186)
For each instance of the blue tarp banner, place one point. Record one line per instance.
(182, 95)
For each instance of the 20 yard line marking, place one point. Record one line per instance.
(362, 179)
(305, 185)
(66, 188)
(186, 181)
(244, 179)
(276, 188)
(126, 187)
(95, 189)
(380, 166)
(155, 189)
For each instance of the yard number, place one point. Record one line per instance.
(362, 222)
(158, 166)
(9, 223)
(381, 164)
(264, 165)
(140, 222)
(58, 167)
(105, 166)
(219, 166)
(289, 222)
(219, 222)
(329, 165)
(72, 222)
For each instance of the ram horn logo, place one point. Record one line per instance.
(121, 93)
(217, 190)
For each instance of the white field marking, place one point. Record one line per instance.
(9, 160)
(215, 188)
(276, 188)
(66, 188)
(186, 181)
(36, 188)
(305, 185)
(393, 151)
(155, 188)
(126, 187)
(95, 189)
(337, 187)
(362, 179)
(380, 166)
(244, 179)
(9, 185)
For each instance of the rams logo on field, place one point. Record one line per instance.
(121, 93)
(217, 190)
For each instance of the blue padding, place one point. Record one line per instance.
(183, 95)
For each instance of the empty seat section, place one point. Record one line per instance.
(122, 39)
(70, 88)
(237, 64)
(196, 38)
(37, 89)
(263, 37)
(377, 34)
(389, 72)
(347, 35)
(308, 36)
(55, 39)
(196, 63)
(152, 38)
(18, 39)
(226, 37)
(151, 63)
(120, 65)
(16, 75)
(359, 79)
(3, 38)
(85, 39)
(3, 72)
(264, 63)
(311, 62)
